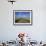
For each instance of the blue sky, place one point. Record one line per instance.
(22, 14)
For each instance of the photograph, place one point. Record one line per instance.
(22, 16)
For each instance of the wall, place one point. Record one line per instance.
(37, 31)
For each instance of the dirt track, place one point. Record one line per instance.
(21, 20)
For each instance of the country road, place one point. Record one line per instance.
(22, 20)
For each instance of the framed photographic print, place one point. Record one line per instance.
(22, 17)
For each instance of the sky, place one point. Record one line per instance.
(22, 14)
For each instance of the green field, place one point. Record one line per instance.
(22, 20)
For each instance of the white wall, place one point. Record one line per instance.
(37, 31)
